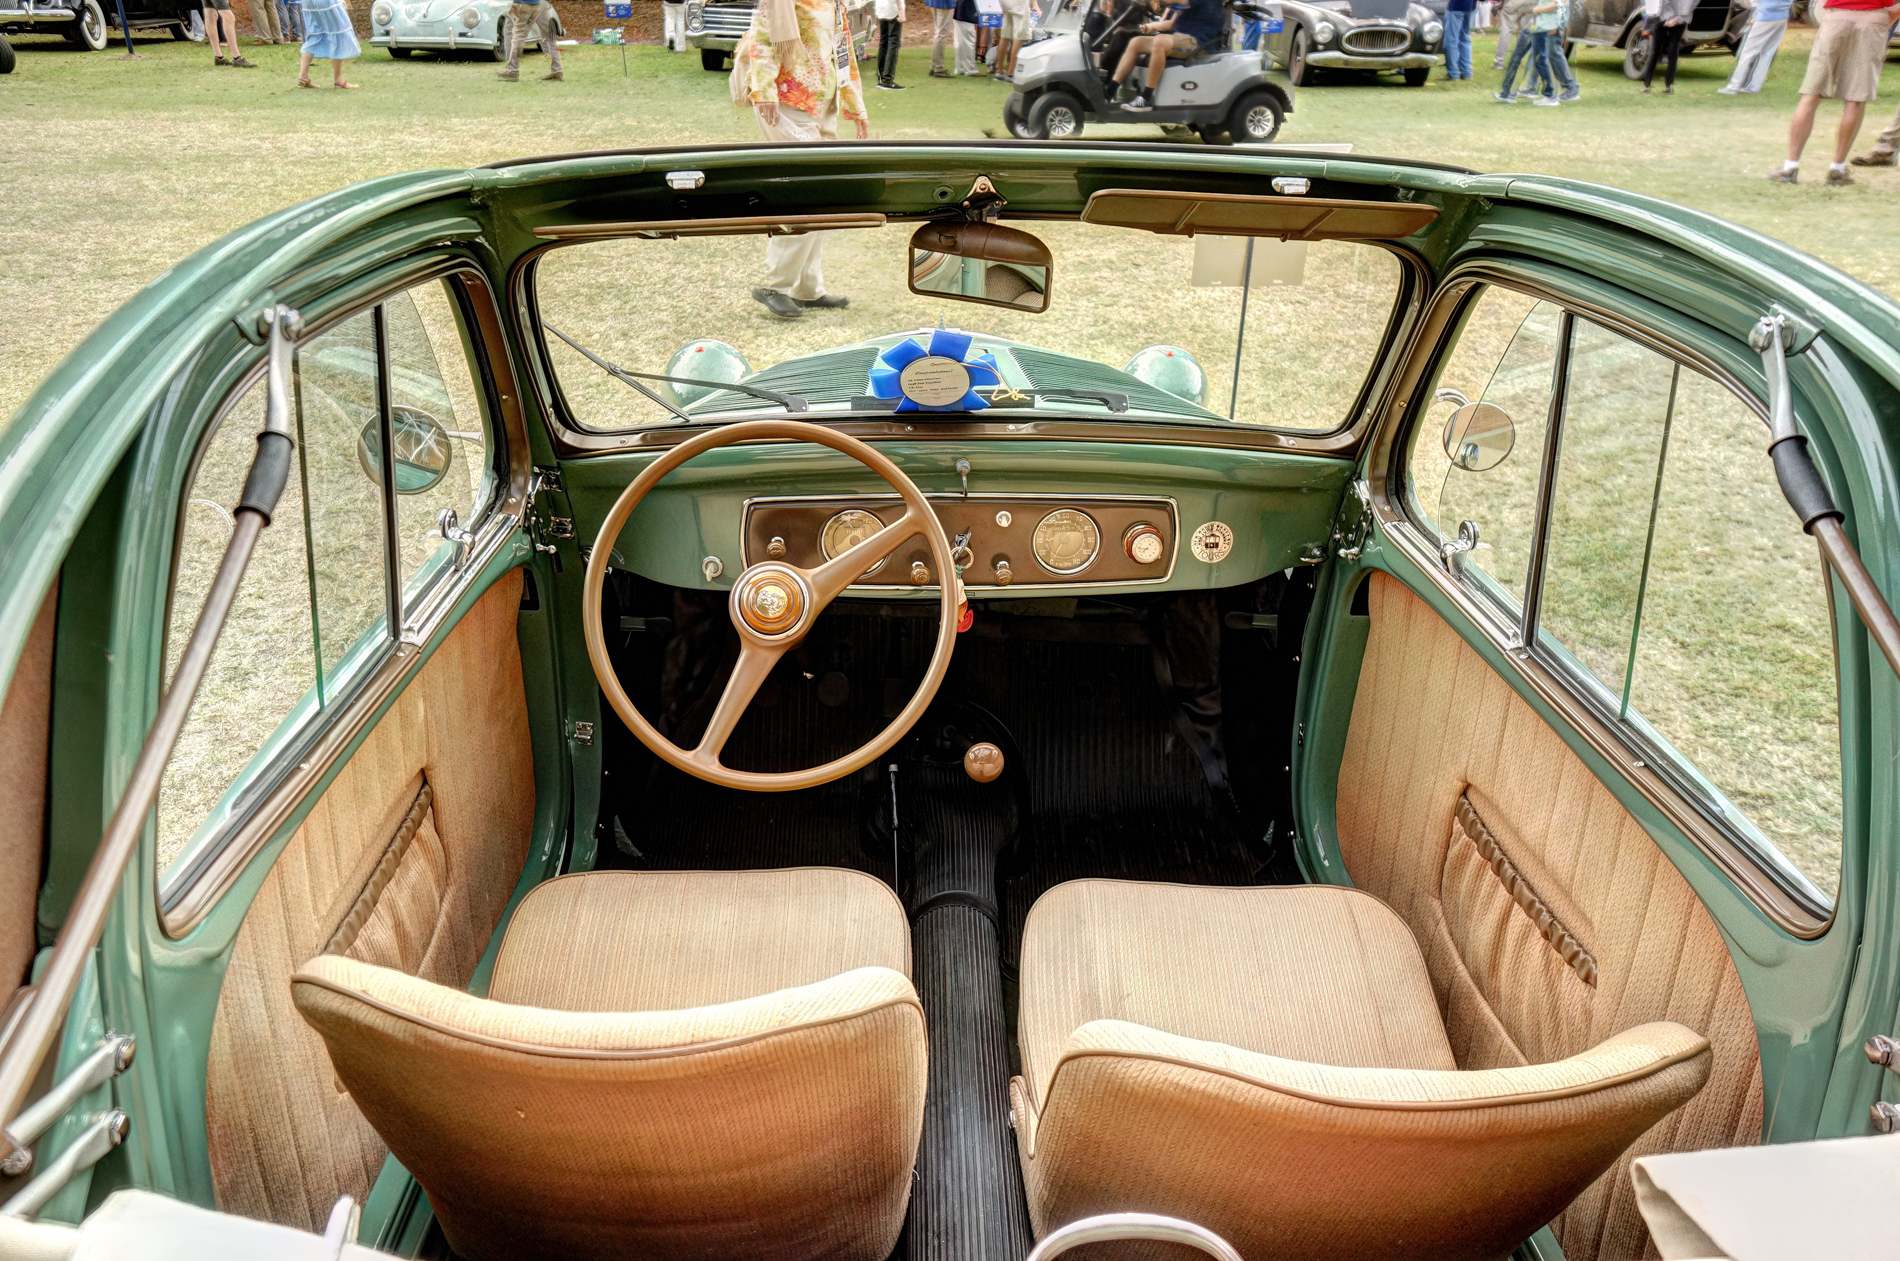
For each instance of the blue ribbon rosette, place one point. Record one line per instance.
(922, 377)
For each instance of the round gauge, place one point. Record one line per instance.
(1066, 541)
(1143, 543)
(848, 529)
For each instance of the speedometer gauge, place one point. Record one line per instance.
(848, 529)
(1066, 541)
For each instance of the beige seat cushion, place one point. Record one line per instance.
(1367, 1142)
(778, 1117)
(1347, 984)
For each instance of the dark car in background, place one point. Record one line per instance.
(1619, 24)
(88, 23)
(1375, 35)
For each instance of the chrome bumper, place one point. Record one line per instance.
(446, 43)
(38, 15)
(1397, 61)
(712, 39)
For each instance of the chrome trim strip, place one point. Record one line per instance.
(1001, 593)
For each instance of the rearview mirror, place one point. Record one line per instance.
(981, 262)
(1478, 437)
(424, 451)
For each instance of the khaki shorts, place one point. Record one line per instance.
(1016, 21)
(1848, 53)
(1184, 45)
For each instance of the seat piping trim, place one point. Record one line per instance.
(1581, 961)
(585, 1053)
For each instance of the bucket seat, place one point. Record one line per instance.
(1270, 1063)
(667, 1065)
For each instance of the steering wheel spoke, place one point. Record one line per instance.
(748, 676)
(829, 580)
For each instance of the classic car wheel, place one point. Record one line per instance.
(772, 606)
(500, 51)
(6, 56)
(1636, 55)
(90, 30)
(402, 54)
(1055, 116)
(1415, 76)
(1296, 67)
(179, 32)
(1256, 119)
(712, 59)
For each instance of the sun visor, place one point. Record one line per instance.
(1236, 214)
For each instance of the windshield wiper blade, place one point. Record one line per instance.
(790, 402)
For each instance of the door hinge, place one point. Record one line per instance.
(560, 527)
(581, 732)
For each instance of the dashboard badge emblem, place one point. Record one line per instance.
(1212, 542)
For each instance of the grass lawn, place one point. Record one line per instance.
(113, 170)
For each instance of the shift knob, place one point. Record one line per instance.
(983, 762)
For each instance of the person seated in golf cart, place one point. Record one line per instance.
(1184, 30)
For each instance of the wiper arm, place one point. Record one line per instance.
(790, 402)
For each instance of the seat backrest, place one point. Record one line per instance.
(25, 729)
(1297, 1161)
(1548, 918)
(781, 1126)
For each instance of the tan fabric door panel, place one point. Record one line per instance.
(1432, 723)
(25, 729)
(284, 1142)
(783, 1126)
(1292, 1161)
(1326, 975)
(703, 937)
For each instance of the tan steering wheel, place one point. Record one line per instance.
(773, 607)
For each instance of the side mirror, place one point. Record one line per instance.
(981, 262)
(424, 450)
(1478, 436)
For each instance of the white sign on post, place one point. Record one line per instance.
(1222, 260)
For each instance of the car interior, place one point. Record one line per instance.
(683, 786)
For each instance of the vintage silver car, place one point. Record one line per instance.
(1372, 35)
(450, 26)
(716, 29)
(84, 22)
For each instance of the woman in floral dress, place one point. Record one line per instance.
(795, 71)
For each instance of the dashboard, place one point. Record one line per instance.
(1002, 540)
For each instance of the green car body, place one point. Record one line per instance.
(93, 467)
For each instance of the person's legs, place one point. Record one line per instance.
(939, 40)
(1852, 112)
(264, 21)
(1672, 49)
(520, 20)
(1801, 126)
(1757, 52)
(544, 28)
(1133, 49)
(1520, 49)
(794, 264)
(1463, 44)
(1507, 37)
(303, 69)
(222, 27)
(966, 47)
(886, 50)
(1885, 148)
(1655, 55)
(1158, 59)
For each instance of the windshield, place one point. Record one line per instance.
(1138, 327)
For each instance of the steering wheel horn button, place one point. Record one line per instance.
(983, 762)
(770, 599)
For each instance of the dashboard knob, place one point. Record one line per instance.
(1003, 576)
(776, 548)
(919, 573)
(1143, 543)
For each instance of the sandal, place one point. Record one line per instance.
(343, 84)
(304, 83)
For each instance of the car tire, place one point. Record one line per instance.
(1054, 116)
(712, 60)
(1296, 67)
(1015, 121)
(1636, 54)
(90, 30)
(1415, 76)
(180, 32)
(500, 51)
(402, 54)
(1256, 119)
(6, 56)
(1214, 135)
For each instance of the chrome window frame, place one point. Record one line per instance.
(1668, 779)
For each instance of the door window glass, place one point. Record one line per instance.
(436, 427)
(1505, 355)
(260, 682)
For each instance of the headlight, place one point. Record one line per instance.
(1324, 32)
(382, 15)
(471, 19)
(695, 17)
(1433, 30)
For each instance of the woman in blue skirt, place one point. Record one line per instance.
(328, 34)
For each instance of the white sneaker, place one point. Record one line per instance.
(1728, 91)
(1547, 100)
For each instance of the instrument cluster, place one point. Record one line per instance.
(1001, 540)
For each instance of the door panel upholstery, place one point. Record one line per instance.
(407, 861)
(25, 726)
(1548, 918)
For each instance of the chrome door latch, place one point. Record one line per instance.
(449, 525)
(1466, 542)
(1884, 1051)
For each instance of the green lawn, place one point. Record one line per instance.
(112, 170)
